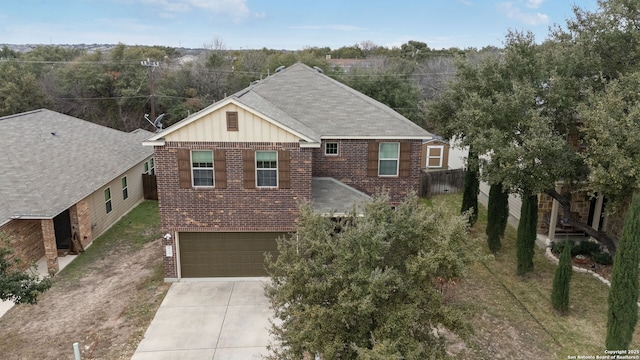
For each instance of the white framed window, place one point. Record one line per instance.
(435, 156)
(125, 191)
(202, 168)
(389, 159)
(331, 148)
(149, 167)
(107, 200)
(266, 168)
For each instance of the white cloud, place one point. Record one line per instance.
(328, 27)
(514, 12)
(465, 2)
(534, 4)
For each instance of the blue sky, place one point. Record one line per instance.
(279, 24)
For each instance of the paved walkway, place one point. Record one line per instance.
(214, 320)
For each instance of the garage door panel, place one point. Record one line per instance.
(225, 254)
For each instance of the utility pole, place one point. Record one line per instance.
(152, 94)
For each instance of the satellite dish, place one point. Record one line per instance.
(157, 123)
(318, 69)
(280, 68)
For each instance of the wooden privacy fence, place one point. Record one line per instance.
(149, 187)
(441, 182)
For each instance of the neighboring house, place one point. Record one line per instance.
(62, 175)
(231, 177)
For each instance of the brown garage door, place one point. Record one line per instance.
(225, 254)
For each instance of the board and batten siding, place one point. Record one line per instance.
(100, 220)
(213, 127)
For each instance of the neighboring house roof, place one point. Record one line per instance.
(50, 161)
(310, 103)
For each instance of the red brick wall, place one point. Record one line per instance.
(234, 208)
(26, 239)
(350, 167)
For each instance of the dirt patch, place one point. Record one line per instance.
(107, 310)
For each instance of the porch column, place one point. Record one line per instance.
(597, 212)
(553, 219)
(50, 248)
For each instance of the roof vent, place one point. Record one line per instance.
(280, 68)
(318, 69)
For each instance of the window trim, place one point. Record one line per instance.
(108, 203)
(397, 159)
(152, 166)
(270, 169)
(212, 169)
(440, 157)
(125, 190)
(326, 148)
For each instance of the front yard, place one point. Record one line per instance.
(512, 316)
(107, 297)
(104, 300)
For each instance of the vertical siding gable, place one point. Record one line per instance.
(213, 127)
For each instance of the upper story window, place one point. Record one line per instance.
(107, 200)
(266, 168)
(331, 148)
(125, 191)
(202, 167)
(435, 154)
(388, 159)
(149, 167)
(232, 121)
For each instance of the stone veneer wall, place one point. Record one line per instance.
(580, 203)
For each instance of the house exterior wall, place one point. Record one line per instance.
(25, 239)
(580, 203)
(442, 147)
(213, 127)
(95, 203)
(350, 167)
(231, 209)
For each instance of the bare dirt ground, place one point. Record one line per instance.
(106, 309)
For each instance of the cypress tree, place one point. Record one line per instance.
(471, 188)
(561, 280)
(497, 216)
(623, 295)
(526, 240)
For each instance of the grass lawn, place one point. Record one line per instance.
(512, 316)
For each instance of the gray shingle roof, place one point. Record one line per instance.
(326, 106)
(49, 161)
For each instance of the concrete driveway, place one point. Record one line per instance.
(214, 320)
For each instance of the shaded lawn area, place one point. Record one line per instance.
(512, 316)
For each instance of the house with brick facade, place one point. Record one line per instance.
(64, 177)
(230, 177)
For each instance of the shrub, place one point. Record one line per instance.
(585, 248)
(561, 280)
(602, 258)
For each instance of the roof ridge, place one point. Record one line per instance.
(21, 114)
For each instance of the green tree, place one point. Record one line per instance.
(471, 188)
(497, 216)
(561, 281)
(19, 89)
(365, 286)
(623, 295)
(526, 238)
(21, 287)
